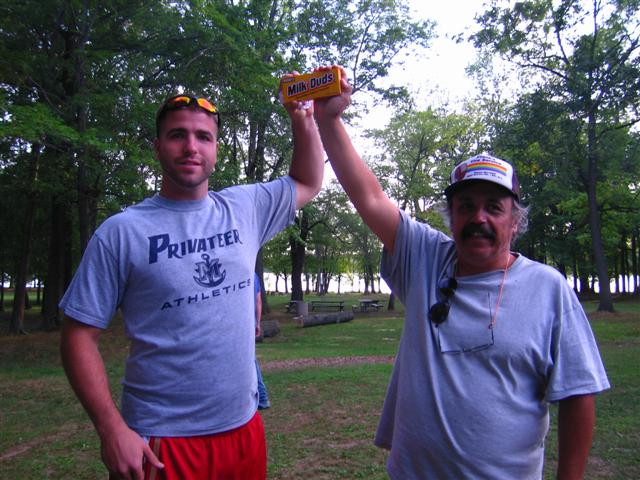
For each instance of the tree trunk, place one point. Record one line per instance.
(2, 288)
(16, 325)
(56, 280)
(297, 255)
(584, 281)
(624, 261)
(297, 266)
(575, 274)
(270, 328)
(74, 83)
(27, 299)
(391, 305)
(87, 203)
(315, 320)
(39, 292)
(326, 280)
(634, 260)
(606, 301)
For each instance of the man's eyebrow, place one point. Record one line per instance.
(201, 131)
(184, 130)
(176, 130)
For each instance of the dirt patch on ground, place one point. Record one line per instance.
(67, 430)
(274, 365)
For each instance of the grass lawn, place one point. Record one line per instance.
(324, 413)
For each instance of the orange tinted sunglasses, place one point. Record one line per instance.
(184, 100)
(181, 101)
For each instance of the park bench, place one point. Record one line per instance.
(327, 305)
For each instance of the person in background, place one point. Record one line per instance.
(180, 268)
(490, 339)
(263, 394)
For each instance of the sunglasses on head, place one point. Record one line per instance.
(183, 101)
(439, 311)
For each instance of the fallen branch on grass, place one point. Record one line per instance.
(313, 320)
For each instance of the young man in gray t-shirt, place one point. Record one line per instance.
(179, 266)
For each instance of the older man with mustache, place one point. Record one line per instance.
(491, 338)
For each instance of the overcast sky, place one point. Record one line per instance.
(443, 65)
(437, 75)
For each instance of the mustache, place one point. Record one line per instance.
(474, 229)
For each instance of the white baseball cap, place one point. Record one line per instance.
(486, 168)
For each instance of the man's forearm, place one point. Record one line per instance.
(353, 174)
(85, 370)
(359, 182)
(576, 421)
(307, 162)
(123, 450)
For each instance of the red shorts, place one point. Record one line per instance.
(239, 454)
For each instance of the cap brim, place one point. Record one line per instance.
(462, 184)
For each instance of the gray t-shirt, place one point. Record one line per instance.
(182, 275)
(466, 401)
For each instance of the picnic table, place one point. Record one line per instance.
(367, 305)
(327, 305)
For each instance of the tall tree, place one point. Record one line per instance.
(92, 74)
(16, 325)
(588, 53)
(366, 37)
(418, 150)
(91, 69)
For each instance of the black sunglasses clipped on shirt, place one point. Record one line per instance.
(439, 311)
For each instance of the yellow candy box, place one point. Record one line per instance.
(325, 83)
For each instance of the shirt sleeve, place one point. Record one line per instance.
(94, 293)
(577, 366)
(276, 208)
(416, 243)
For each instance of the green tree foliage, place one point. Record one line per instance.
(417, 151)
(586, 55)
(365, 36)
(276, 260)
(342, 244)
(545, 142)
(82, 79)
(421, 148)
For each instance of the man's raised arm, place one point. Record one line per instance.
(307, 162)
(361, 185)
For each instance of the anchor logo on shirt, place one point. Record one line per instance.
(208, 271)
